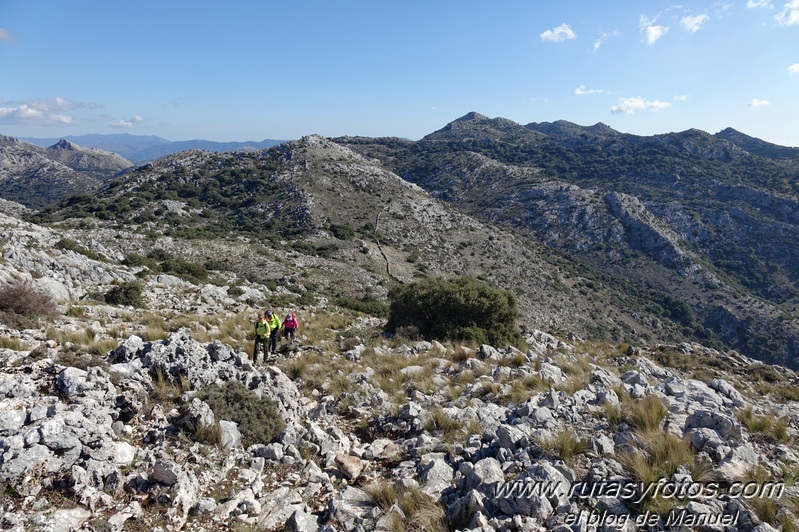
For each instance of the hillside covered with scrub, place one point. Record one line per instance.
(130, 402)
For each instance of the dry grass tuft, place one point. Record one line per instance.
(418, 510)
(647, 414)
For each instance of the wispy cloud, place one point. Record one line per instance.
(558, 34)
(652, 31)
(694, 24)
(629, 106)
(681, 98)
(602, 38)
(789, 16)
(758, 103)
(48, 111)
(127, 124)
(793, 69)
(752, 4)
(582, 90)
(7, 36)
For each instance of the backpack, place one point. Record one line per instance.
(290, 322)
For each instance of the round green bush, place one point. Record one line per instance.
(126, 294)
(462, 309)
(258, 418)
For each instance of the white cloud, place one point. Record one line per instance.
(602, 38)
(7, 36)
(629, 106)
(599, 42)
(758, 103)
(789, 16)
(694, 24)
(751, 4)
(652, 32)
(127, 124)
(681, 98)
(558, 34)
(793, 69)
(50, 111)
(582, 90)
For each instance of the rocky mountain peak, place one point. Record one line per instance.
(475, 126)
(472, 116)
(64, 144)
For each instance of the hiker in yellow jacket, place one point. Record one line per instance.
(262, 330)
(274, 327)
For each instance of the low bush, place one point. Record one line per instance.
(71, 245)
(366, 305)
(460, 309)
(342, 232)
(258, 418)
(126, 294)
(22, 305)
(564, 444)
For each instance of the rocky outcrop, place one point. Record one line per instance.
(35, 176)
(100, 436)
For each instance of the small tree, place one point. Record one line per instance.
(462, 308)
(127, 294)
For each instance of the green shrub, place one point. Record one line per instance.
(235, 291)
(71, 245)
(366, 305)
(185, 269)
(342, 232)
(134, 259)
(126, 294)
(22, 305)
(258, 418)
(460, 309)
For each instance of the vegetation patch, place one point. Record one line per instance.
(458, 309)
(257, 417)
(22, 305)
(418, 510)
(127, 294)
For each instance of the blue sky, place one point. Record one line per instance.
(251, 70)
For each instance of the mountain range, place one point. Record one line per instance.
(601, 234)
(140, 149)
(36, 176)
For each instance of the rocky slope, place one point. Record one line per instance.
(702, 225)
(108, 422)
(37, 176)
(681, 236)
(320, 219)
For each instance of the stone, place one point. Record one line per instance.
(229, 435)
(164, 472)
(486, 475)
(301, 521)
(351, 466)
(726, 427)
(436, 477)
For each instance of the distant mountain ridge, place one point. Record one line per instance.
(678, 236)
(145, 148)
(36, 176)
(706, 225)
